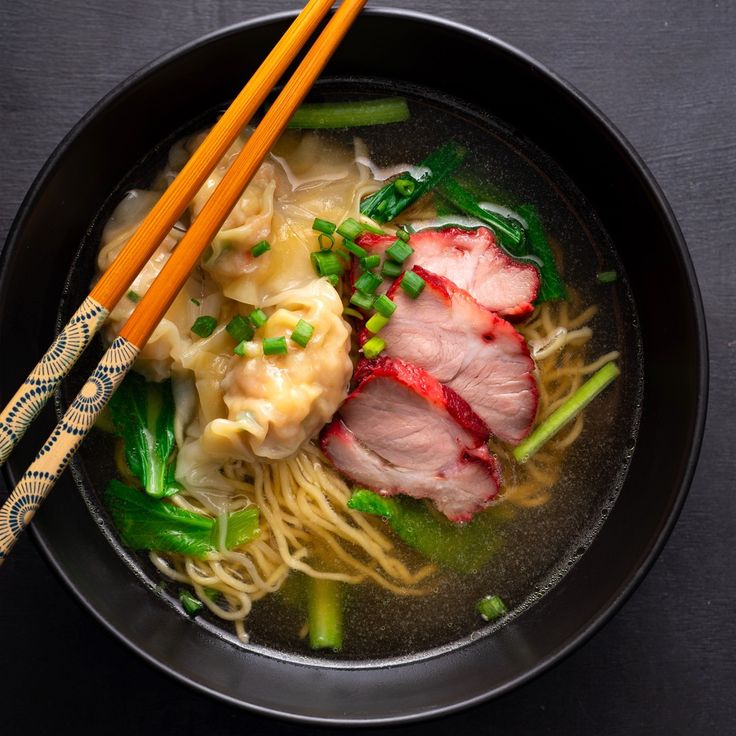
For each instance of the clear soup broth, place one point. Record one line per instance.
(546, 516)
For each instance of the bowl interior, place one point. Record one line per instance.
(538, 107)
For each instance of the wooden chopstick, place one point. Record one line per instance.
(22, 409)
(36, 483)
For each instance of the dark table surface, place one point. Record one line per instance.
(665, 72)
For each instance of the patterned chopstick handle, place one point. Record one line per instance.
(39, 479)
(29, 399)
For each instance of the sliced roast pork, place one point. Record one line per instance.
(401, 431)
(475, 262)
(468, 348)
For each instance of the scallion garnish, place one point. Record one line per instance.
(607, 277)
(383, 305)
(240, 328)
(350, 312)
(274, 346)
(240, 348)
(134, 296)
(361, 300)
(196, 302)
(325, 241)
(302, 333)
(333, 279)
(412, 284)
(323, 226)
(403, 234)
(355, 249)
(350, 229)
(368, 282)
(405, 187)
(376, 323)
(370, 262)
(260, 248)
(204, 326)
(189, 603)
(373, 347)
(491, 607)
(391, 269)
(399, 251)
(327, 263)
(258, 317)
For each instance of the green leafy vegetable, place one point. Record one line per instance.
(465, 548)
(389, 201)
(315, 115)
(552, 287)
(569, 410)
(325, 614)
(509, 231)
(152, 524)
(143, 416)
(190, 603)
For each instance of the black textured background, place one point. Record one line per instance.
(665, 72)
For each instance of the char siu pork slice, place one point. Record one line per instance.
(474, 262)
(401, 431)
(468, 348)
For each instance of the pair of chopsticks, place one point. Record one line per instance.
(39, 479)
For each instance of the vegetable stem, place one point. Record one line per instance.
(315, 115)
(569, 410)
(325, 614)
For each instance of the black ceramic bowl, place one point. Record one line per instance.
(125, 126)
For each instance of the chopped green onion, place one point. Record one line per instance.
(607, 277)
(260, 248)
(189, 603)
(491, 607)
(355, 249)
(325, 241)
(350, 312)
(240, 328)
(134, 296)
(412, 284)
(376, 323)
(569, 410)
(196, 302)
(350, 229)
(373, 347)
(368, 282)
(204, 326)
(399, 251)
(313, 115)
(405, 187)
(334, 279)
(391, 269)
(384, 306)
(240, 348)
(323, 226)
(258, 317)
(327, 263)
(371, 226)
(361, 300)
(274, 346)
(370, 262)
(403, 234)
(302, 333)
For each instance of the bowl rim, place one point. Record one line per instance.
(660, 202)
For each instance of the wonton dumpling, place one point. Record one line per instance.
(274, 403)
